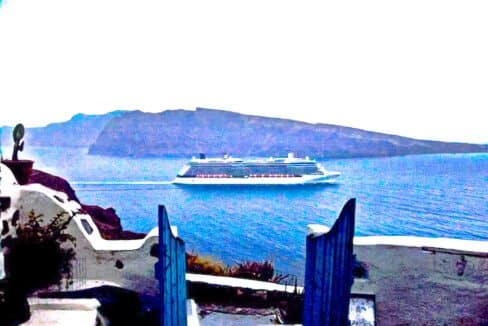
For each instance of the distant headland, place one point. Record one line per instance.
(215, 132)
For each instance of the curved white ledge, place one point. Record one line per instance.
(48, 202)
(474, 246)
(422, 242)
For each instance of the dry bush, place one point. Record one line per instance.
(204, 265)
(261, 271)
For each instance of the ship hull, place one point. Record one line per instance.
(303, 180)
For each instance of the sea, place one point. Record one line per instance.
(442, 195)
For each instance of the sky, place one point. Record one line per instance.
(412, 68)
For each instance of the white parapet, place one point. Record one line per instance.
(457, 245)
(53, 312)
(126, 263)
(241, 283)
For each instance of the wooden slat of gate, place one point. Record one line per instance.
(328, 272)
(171, 271)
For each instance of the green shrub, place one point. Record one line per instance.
(41, 254)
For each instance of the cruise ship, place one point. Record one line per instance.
(228, 170)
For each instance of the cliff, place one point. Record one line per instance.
(80, 131)
(106, 219)
(215, 132)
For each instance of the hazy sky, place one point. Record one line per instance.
(414, 68)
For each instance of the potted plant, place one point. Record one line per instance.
(22, 169)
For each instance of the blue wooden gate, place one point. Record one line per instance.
(328, 272)
(171, 273)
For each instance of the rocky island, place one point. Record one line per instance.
(186, 133)
(215, 132)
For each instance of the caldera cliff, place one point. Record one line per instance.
(215, 132)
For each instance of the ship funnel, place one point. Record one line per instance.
(291, 155)
(202, 156)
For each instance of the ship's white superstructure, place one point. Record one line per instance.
(290, 170)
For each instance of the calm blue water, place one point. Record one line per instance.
(428, 195)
